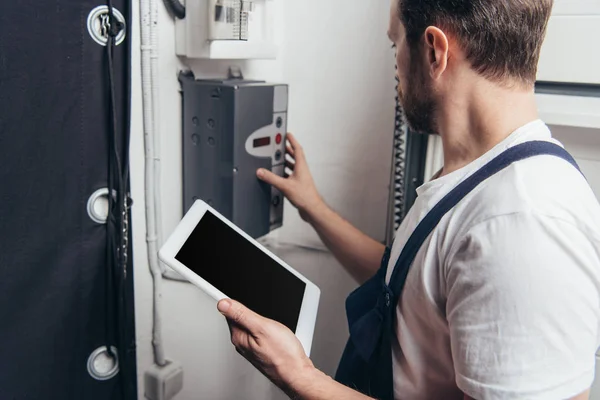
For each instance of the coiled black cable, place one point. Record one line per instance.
(399, 163)
(175, 8)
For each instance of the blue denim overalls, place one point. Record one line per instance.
(366, 363)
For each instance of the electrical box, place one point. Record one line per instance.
(567, 55)
(568, 87)
(227, 29)
(231, 128)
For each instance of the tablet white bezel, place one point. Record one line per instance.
(310, 302)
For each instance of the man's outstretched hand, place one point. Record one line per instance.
(299, 187)
(270, 346)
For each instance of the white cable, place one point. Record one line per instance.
(156, 157)
(148, 13)
(153, 32)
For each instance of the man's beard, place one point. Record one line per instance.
(418, 105)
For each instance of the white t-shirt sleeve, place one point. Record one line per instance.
(523, 308)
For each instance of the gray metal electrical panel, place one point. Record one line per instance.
(231, 128)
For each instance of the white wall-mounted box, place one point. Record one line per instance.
(575, 111)
(570, 53)
(193, 37)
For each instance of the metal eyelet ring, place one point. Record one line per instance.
(97, 206)
(98, 25)
(101, 366)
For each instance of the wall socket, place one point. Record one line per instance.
(163, 383)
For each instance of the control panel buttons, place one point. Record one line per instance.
(279, 122)
(278, 155)
(278, 138)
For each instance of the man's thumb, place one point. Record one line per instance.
(239, 314)
(271, 178)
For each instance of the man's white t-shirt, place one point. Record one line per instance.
(503, 299)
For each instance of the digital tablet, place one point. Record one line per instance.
(219, 258)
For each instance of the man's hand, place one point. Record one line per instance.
(357, 252)
(276, 352)
(299, 188)
(268, 345)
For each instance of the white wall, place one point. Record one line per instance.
(339, 66)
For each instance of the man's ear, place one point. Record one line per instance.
(437, 50)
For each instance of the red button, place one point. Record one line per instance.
(278, 138)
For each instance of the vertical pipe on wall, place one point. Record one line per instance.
(155, 118)
(155, 130)
(148, 49)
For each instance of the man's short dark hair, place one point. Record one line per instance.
(501, 38)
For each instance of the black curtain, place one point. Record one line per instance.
(54, 124)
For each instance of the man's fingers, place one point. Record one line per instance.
(289, 150)
(290, 165)
(241, 316)
(296, 147)
(271, 178)
(239, 337)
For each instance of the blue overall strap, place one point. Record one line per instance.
(428, 224)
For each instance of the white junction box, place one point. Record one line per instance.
(568, 91)
(570, 54)
(227, 29)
